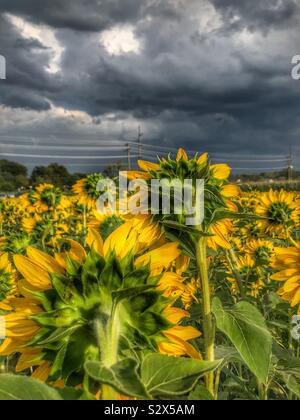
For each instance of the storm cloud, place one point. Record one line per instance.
(206, 74)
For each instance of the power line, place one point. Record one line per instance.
(79, 148)
(64, 157)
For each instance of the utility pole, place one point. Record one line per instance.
(290, 165)
(140, 136)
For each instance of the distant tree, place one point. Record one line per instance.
(13, 176)
(39, 174)
(12, 168)
(114, 170)
(54, 174)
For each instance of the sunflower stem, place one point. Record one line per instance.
(84, 222)
(108, 341)
(208, 325)
(263, 391)
(234, 265)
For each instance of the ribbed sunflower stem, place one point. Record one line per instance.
(291, 239)
(108, 341)
(84, 221)
(208, 324)
(232, 259)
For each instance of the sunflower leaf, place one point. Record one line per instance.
(123, 377)
(166, 376)
(245, 326)
(21, 388)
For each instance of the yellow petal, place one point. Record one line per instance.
(221, 171)
(178, 347)
(44, 261)
(175, 315)
(148, 166)
(160, 258)
(138, 175)
(32, 273)
(285, 274)
(120, 241)
(42, 372)
(10, 346)
(185, 333)
(77, 251)
(203, 159)
(4, 262)
(182, 155)
(95, 241)
(29, 359)
(231, 190)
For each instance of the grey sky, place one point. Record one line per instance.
(205, 74)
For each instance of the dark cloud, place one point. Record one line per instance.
(87, 15)
(209, 74)
(258, 15)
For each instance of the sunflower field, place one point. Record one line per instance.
(124, 307)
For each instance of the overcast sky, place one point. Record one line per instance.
(206, 74)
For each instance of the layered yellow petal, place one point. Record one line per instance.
(221, 171)
(95, 241)
(148, 166)
(33, 274)
(44, 261)
(182, 155)
(203, 159)
(160, 258)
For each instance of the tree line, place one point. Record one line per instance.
(15, 177)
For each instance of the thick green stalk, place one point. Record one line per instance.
(263, 391)
(108, 340)
(208, 325)
(234, 265)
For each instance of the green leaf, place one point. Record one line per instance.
(245, 326)
(122, 376)
(58, 335)
(22, 388)
(70, 394)
(292, 380)
(131, 292)
(226, 214)
(184, 228)
(166, 376)
(200, 393)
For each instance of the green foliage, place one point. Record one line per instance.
(12, 176)
(157, 377)
(18, 388)
(246, 328)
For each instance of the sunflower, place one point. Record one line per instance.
(250, 275)
(105, 224)
(15, 243)
(220, 232)
(218, 191)
(46, 197)
(287, 262)
(261, 251)
(280, 210)
(8, 277)
(97, 303)
(86, 190)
